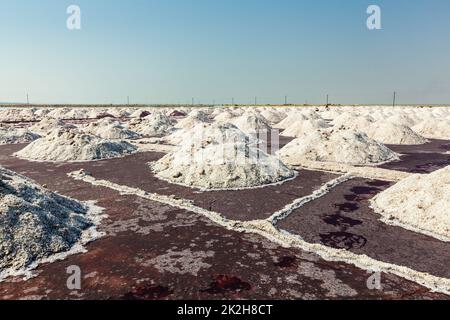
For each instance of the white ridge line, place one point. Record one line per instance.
(266, 229)
(369, 172)
(288, 209)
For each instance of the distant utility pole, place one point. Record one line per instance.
(285, 100)
(232, 101)
(393, 101)
(28, 99)
(192, 101)
(128, 100)
(214, 102)
(256, 101)
(327, 100)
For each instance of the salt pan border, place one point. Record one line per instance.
(266, 229)
(288, 209)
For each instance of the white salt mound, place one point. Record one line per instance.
(352, 121)
(110, 129)
(48, 124)
(11, 135)
(292, 118)
(301, 128)
(73, 145)
(421, 202)
(340, 146)
(434, 128)
(194, 118)
(36, 223)
(251, 122)
(220, 156)
(158, 124)
(390, 133)
(224, 116)
(273, 116)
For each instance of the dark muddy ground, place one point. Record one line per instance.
(343, 219)
(155, 251)
(424, 158)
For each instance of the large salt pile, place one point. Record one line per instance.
(157, 124)
(419, 202)
(303, 128)
(36, 224)
(65, 144)
(251, 123)
(11, 135)
(390, 133)
(220, 156)
(340, 146)
(110, 129)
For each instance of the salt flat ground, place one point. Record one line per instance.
(154, 250)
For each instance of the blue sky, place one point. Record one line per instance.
(167, 51)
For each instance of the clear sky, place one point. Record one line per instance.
(167, 51)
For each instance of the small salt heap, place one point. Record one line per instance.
(389, 133)
(194, 118)
(48, 124)
(292, 118)
(11, 135)
(251, 123)
(158, 124)
(302, 128)
(65, 144)
(353, 121)
(339, 146)
(110, 129)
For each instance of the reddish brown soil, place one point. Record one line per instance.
(154, 251)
